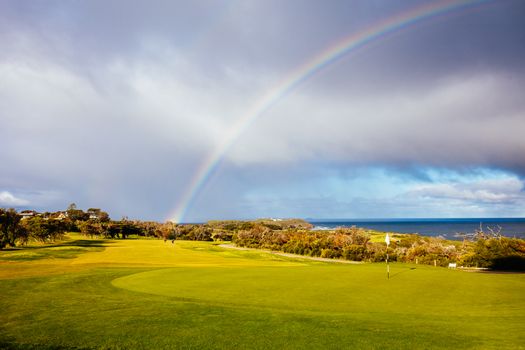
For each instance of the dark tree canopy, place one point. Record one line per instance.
(10, 228)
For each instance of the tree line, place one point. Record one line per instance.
(19, 228)
(482, 249)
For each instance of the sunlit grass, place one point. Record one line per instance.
(147, 294)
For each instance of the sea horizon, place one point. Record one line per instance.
(449, 228)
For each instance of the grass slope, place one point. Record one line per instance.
(147, 294)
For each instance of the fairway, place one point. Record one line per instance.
(147, 294)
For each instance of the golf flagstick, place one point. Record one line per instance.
(387, 240)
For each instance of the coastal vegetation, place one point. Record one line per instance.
(483, 249)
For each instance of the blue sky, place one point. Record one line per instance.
(117, 104)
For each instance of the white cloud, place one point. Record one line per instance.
(99, 136)
(507, 190)
(8, 199)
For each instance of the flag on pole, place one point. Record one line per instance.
(387, 240)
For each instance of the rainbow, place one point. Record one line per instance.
(304, 72)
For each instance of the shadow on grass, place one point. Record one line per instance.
(76, 243)
(400, 272)
(16, 346)
(63, 250)
(9, 343)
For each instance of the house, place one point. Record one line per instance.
(61, 215)
(97, 214)
(27, 214)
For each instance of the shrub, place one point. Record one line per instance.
(499, 253)
(355, 252)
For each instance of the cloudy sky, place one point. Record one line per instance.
(120, 105)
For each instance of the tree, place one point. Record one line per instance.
(44, 230)
(124, 228)
(91, 228)
(10, 228)
(97, 214)
(76, 214)
(72, 206)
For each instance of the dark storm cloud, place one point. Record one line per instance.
(274, 35)
(487, 38)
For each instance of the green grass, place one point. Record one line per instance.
(147, 294)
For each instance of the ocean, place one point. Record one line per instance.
(446, 228)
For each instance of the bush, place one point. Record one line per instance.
(355, 252)
(498, 253)
(509, 263)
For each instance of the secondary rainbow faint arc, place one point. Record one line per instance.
(303, 73)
